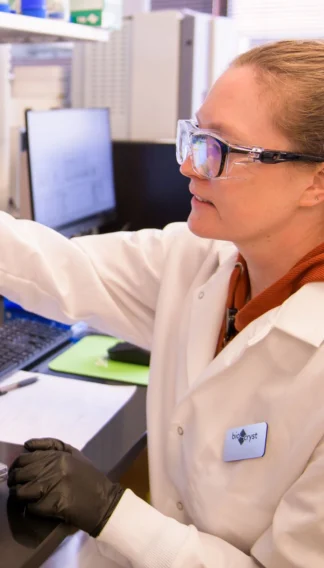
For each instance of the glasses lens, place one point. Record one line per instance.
(182, 142)
(206, 155)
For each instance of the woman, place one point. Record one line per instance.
(236, 449)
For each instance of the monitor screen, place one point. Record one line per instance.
(151, 192)
(70, 166)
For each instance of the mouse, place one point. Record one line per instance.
(125, 352)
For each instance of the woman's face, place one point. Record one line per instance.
(258, 200)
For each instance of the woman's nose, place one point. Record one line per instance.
(186, 168)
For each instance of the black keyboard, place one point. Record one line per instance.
(24, 341)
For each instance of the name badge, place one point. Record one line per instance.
(245, 442)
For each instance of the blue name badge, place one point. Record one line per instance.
(245, 442)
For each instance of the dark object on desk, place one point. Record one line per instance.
(125, 352)
(56, 480)
(25, 341)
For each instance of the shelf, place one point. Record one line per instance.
(15, 28)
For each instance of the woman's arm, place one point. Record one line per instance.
(294, 540)
(110, 281)
(149, 539)
(53, 479)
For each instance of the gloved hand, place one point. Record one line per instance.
(56, 480)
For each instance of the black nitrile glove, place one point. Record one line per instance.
(56, 480)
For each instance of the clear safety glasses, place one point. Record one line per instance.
(211, 156)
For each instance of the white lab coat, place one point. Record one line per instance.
(166, 291)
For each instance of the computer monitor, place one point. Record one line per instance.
(70, 169)
(150, 190)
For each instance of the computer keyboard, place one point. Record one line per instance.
(24, 341)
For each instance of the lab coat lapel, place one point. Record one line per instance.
(206, 315)
(250, 335)
(300, 316)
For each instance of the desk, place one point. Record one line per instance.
(28, 542)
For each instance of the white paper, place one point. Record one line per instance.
(68, 409)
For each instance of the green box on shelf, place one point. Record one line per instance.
(104, 13)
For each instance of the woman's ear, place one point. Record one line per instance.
(314, 194)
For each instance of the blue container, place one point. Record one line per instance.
(32, 4)
(4, 8)
(35, 13)
(35, 8)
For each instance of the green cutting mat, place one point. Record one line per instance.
(87, 357)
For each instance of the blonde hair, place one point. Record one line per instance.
(292, 74)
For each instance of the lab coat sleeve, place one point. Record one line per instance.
(295, 539)
(149, 539)
(111, 281)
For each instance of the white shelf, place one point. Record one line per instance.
(15, 28)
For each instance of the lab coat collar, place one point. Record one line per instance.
(302, 315)
(227, 253)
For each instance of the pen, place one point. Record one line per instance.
(18, 385)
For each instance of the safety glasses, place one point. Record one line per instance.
(210, 153)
